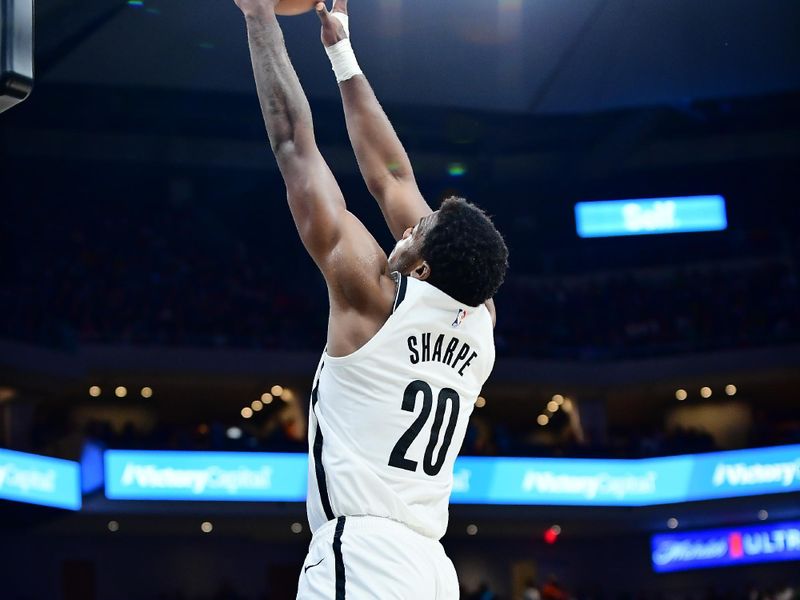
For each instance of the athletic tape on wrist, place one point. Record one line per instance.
(343, 60)
(343, 19)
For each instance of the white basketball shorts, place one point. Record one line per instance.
(367, 558)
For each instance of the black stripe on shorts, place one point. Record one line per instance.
(339, 561)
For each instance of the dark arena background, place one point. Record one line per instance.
(640, 435)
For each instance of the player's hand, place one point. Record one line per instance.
(332, 29)
(253, 7)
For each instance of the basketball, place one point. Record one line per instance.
(289, 8)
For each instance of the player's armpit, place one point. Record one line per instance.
(360, 288)
(357, 270)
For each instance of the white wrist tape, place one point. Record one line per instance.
(343, 19)
(343, 60)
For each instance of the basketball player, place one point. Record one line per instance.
(410, 338)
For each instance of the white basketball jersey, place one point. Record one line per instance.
(387, 421)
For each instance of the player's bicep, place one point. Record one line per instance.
(402, 204)
(315, 200)
(349, 257)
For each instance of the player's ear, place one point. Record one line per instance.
(422, 272)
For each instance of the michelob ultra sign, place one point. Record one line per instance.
(726, 547)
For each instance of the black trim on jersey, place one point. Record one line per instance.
(339, 560)
(401, 291)
(319, 469)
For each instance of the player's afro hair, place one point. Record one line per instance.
(467, 255)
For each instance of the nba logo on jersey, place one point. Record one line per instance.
(462, 314)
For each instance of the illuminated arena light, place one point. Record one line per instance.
(551, 535)
(456, 169)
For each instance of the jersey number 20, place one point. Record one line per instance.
(398, 456)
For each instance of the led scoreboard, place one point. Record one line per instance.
(650, 216)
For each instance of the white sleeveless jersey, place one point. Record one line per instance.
(387, 421)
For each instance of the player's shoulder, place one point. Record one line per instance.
(492, 309)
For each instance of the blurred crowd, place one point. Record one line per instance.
(485, 438)
(651, 312)
(192, 273)
(282, 431)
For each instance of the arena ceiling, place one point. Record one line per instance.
(539, 56)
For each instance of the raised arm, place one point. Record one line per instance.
(315, 199)
(354, 266)
(383, 161)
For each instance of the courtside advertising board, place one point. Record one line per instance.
(154, 475)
